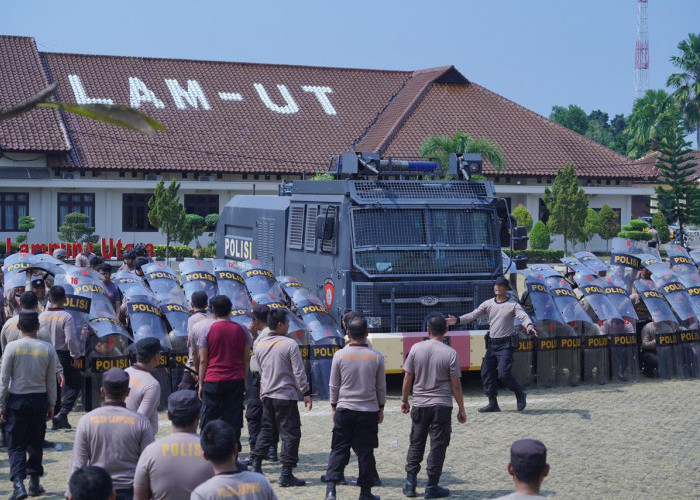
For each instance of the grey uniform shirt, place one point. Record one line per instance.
(432, 364)
(112, 437)
(83, 260)
(501, 316)
(172, 467)
(61, 329)
(144, 395)
(243, 485)
(194, 328)
(28, 367)
(358, 379)
(254, 366)
(11, 332)
(282, 372)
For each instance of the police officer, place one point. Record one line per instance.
(112, 436)
(433, 369)
(253, 413)
(28, 301)
(198, 301)
(219, 447)
(67, 343)
(144, 389)
(172, 466)
(357, 390)
(59, 254)
(282, 377)
(91, 483)
(27, 397)
(83, 258)
(498, 361)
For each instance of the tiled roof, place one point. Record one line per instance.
(263, 118)
(647, 165)
(532, 144)
(22, 78)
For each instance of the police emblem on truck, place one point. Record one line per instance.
(238, 248)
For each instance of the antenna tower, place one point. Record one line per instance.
(641, 53)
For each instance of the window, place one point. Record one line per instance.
(12, 207)
(135, 212)
(202, 204)
(82, 203)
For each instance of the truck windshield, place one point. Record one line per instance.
(390, 241)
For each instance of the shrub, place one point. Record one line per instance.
(205, 252)
(176, 251)
(658, 222)
(634, 235)
(539, 236)
(535, 256)
(522, 216)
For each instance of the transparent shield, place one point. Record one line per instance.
(198, 275)
(146, 319)
(592, 262)
(593, 290)
(655, 302)
(263, 286)
(670, 285)
(161, 278)
(232, 285)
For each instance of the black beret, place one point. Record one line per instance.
(115, 381)
(502, 280)
(184, 403)
(259, 311)
(528, 456)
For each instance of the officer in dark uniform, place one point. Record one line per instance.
(498, 361)
(27, 398)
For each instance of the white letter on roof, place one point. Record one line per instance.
(192, 96)
(81, 96)
(289, 109)
(320, 93)
(139, 92)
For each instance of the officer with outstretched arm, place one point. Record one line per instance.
(498, 361)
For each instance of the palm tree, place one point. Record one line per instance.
(654, 116)
(687, 83)
(441, 146)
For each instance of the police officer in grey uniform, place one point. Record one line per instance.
(27, 397)
(498, 361)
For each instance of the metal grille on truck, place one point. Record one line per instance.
(382, 190)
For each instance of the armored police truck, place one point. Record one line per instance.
(383, 238)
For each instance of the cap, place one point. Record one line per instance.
(38, 282)
(58, 253)
(259, 311)
(528, 457)
(146, 348)
(115, 380)
(184, 403)
(502, 280)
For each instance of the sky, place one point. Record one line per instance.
(538, 53)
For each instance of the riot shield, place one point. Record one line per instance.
(293, 288)
(131, 284)
(79, 309)
(16, 263)
(198, 275)
(544, 271)
(624, 360)
(619, 298)
(666, 352)
(680, 261)
(176, 316)
(262, 286)
(689, 353)
(161, 279)
(230, 283)
(652, 262)
(524, 368)
(595, 354)
(47, 264)
(592, 262)
(84, 286)
(568, 353)
(106, 348)
(655, 302)
(624, 264)
(694, 254)
(669, 284)
(84, 273)
(692, 286)
(594, 292)
(566, 301)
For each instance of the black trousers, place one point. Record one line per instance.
(357, 430)
(224, 400)
(649, 360)
(65, 399)
(26, 428)
(282, 415)
(498, 365)
(436, 422)
(127, 494)
(254, 412)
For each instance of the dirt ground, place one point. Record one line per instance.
(613, 441)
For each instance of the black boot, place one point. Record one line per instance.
(330, 491)
(409, 487)
(520, 398)
(256, 466)
(35, 488)
(287, 479)
(19, 491)
(272, 454)
(433, 490)
(491, 407)
(366, 494)
(342, 481)
(60, 421)
(241, 465)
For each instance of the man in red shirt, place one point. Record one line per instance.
(224, 357)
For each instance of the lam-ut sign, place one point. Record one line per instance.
(191, 95)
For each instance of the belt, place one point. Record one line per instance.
(500, 340)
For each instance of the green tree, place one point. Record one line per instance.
(653, 118)
(678, 197)
(608, 225)
(192, 228)
(618, 140)
(591, 226)
(658, 222)
(522, 216)
(166, 212)
(599, 128)
(573, 118)
(567, 205)
(540, 237)
(687, 82)
(26, 224)
(76, 230)
(635, 231)
(441, 146)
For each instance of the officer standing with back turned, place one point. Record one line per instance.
(498, 361)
